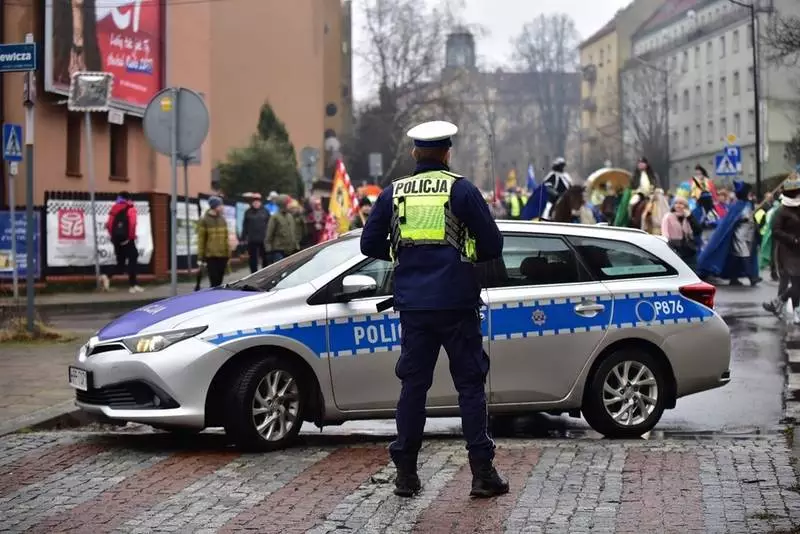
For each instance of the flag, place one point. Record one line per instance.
(498, 190)
(531, 185)
(536, 203)
(511, 179)
(344, 202)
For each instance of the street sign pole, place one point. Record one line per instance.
(188, 220)
(92, 202)
(29, 252)
(12, 202)
(173, 204)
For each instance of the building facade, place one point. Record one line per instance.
(250, 62)
(602, 56)
(705, 47)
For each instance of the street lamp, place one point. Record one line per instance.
(664, 72)
(754, 45)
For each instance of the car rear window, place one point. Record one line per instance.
(609, 259)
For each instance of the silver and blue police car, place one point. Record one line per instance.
(599, 321)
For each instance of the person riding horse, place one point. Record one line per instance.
(644, 183)
(557, 183)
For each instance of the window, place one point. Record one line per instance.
(737, 83)
(723, 90)
(735, 43)
(533, 260)
(686, 137)
(698, 134)
(608, 259)
(674, 102)
(697, 57)
(710, 132)
(675, 140)
(710, 96)
(698, 98)
(723, 127)
(118, 144)
(303, 267)
(722, 46)
(749, 36)
(750, 78)
(685, 63)
(751, 121)
(602, 57)
(685, 100)
(73, 144)
(737, 124)
(709, 52)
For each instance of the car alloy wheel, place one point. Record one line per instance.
(630, 393)
(276, 405)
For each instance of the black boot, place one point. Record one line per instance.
(486, 482)
(407, 483)
(775, 307)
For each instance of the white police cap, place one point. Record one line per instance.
(433, 134)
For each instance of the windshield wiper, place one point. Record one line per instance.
(245, 287)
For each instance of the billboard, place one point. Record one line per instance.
(123, 37)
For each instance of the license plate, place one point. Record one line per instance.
(78, 378)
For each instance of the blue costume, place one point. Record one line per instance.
(717, 258)
(438, 297)
(536, 203)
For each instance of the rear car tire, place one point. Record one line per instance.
(626, 394)
(265, 405)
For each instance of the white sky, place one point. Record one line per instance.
(502, 19)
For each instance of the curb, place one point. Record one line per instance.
(56, 415)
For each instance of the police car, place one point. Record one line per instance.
(599, 321)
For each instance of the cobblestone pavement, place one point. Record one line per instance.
(95, 482)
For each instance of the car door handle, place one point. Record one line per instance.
(587, 307)
(482, 316)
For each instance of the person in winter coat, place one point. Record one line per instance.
(680, 228)
(786, 233)
(213, 247)
(364, 207)
(121, 226)
(281, 240)
(766, 257)
(300, 230)
(254, 231)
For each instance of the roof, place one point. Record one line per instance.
(609, 27)
(669, 11)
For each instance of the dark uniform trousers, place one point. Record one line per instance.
(423, 334)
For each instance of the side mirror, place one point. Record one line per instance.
(357, 285)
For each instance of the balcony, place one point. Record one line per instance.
(589, 104)
(590, 74)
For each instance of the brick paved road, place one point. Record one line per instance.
(56, 482)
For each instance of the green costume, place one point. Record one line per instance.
(623, 216)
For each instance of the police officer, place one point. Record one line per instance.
(438, 226)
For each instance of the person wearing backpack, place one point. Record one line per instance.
(121, 226)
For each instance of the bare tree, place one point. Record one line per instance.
(549, 46)
(403, 52)
(783, 40)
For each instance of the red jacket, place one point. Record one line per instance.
(116, 208)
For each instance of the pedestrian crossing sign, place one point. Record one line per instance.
(12, 142)
(724, 166)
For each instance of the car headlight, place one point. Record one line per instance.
(160, 341)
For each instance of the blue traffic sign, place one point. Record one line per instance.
(723, 166)
(12, 142)
(17, 57)
(734, 153)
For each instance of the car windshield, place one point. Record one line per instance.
(302, 267)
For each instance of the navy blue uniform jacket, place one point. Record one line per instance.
(433, 277)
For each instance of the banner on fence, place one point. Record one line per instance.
(70, 236)
(20, 244)
(194, 216)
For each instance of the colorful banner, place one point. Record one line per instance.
(20, 244)
(123, 37)
(194, 216)
(344, 202)
(70, 235)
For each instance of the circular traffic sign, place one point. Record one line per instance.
(192, 120)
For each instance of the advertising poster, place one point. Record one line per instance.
(7, 241)
(70, 236)
(194, 216)
(241, 207)
(123, 37)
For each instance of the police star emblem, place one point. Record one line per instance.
(539, 317)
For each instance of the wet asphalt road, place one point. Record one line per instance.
(751, 403)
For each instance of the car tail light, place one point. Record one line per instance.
(701, 292)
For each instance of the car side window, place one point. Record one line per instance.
(534, 260)
(609, 259)
(381, 271)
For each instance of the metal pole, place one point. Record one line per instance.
(12, 202)
(757, 97)
(666, 127)
(173, 204)
(494, 176)
(92, 203)
(29, 251)
(188, 221)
